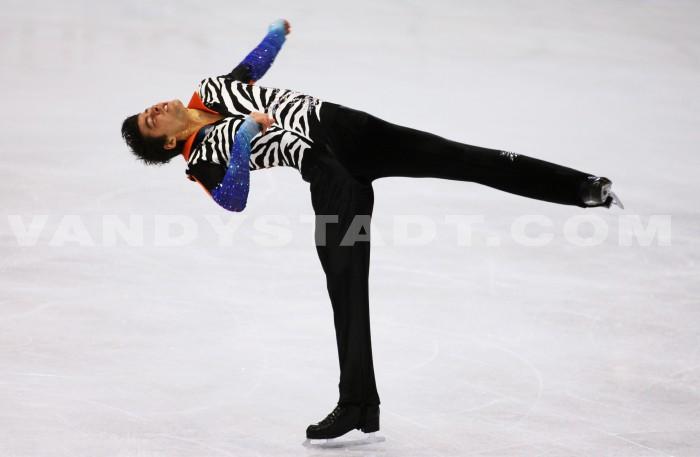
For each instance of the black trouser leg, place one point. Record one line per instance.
(382, 149)
(343, 208)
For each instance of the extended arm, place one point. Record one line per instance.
(260, 59)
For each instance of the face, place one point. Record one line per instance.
(164, 118)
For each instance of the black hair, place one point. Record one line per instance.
(148, 149)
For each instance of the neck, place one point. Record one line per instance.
(196, 119)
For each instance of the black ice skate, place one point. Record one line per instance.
(344, 419)
(596, 192)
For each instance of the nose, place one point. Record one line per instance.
(156, 109)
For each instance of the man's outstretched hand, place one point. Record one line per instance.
(282, 25)
(263, 119)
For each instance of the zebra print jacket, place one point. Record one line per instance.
(221, 155)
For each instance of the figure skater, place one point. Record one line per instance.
(231, 126)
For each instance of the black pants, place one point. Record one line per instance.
(354, 149)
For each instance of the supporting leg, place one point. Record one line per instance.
(344, 251)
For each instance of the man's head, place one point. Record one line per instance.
(155, 134)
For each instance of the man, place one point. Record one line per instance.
(232, 126)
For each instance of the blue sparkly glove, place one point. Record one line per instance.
(232, 191)
(260, 59)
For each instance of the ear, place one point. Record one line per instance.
(170, 143)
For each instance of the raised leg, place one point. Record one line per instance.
(373, 148)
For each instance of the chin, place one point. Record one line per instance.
(178, 106)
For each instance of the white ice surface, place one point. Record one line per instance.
(213, 350)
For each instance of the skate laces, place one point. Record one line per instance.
(331, 417)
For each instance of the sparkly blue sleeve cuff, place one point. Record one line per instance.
(232, 192)
(260, 59)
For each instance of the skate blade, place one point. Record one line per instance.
(345, 441)
(616, 200)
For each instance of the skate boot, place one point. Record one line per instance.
(344, 419)
(595, 191)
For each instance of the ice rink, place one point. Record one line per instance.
(554, 331)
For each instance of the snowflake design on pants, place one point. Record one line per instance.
(510, 155)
